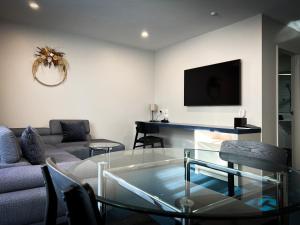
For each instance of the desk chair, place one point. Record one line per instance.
(146, 140)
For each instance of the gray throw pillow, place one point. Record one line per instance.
(73, 131)
(33, 148)
(10, 151)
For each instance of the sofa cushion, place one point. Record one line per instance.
(73, 131)
(33, 147)
(72, 148)
(26, 207)
(55, 125)
(62, 157)
(21, 177)
(21, 162)
(10, 151)
(72, 144)
(52, 139)
(23, 207)
(26, 177)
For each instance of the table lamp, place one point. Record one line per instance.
(153, 108)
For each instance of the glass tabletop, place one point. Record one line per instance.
(192, 183)
(97, 145)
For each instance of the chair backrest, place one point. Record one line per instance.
(51, 198)
(79, 199)
(82, 207)
(254, 154)
(146, 128)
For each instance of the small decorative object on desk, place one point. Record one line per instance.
(241, 121)
(153, 109)
(165, 113)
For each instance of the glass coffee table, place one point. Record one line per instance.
(188, 184)
(101, 146)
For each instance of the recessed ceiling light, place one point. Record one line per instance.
(213, 13)
(144, 34)
(33, 5)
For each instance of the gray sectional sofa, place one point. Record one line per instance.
(22, 191)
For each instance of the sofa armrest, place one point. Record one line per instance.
(23, 207)
(20, 178)
(25, 177)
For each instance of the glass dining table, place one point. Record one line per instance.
(192, 184)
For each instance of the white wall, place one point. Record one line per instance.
(242, 40)
(274, 34)
(111, 85)
(278, 35)
(270, 30)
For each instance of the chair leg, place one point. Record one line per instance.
(162, 144)
(134, 144)
(135, 139)
(145, 143)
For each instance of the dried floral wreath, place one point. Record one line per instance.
(48, 57)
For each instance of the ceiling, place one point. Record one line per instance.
(121, 21)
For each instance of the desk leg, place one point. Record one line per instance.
(186, 202)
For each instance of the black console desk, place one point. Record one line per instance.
(222, 129)
(207, 137)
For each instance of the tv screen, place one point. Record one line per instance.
(213, 85)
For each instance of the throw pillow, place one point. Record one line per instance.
(10, 151)
(73, 131)
(32, 146)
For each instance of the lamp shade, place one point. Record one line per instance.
(153, 107)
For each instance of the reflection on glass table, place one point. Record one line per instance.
(179, 183)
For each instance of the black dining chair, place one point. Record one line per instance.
(51, 199)
(80, 201)
(147, 140)
(254, 154)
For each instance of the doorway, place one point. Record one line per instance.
(285, 107)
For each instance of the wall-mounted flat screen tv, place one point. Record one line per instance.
(213, 85)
